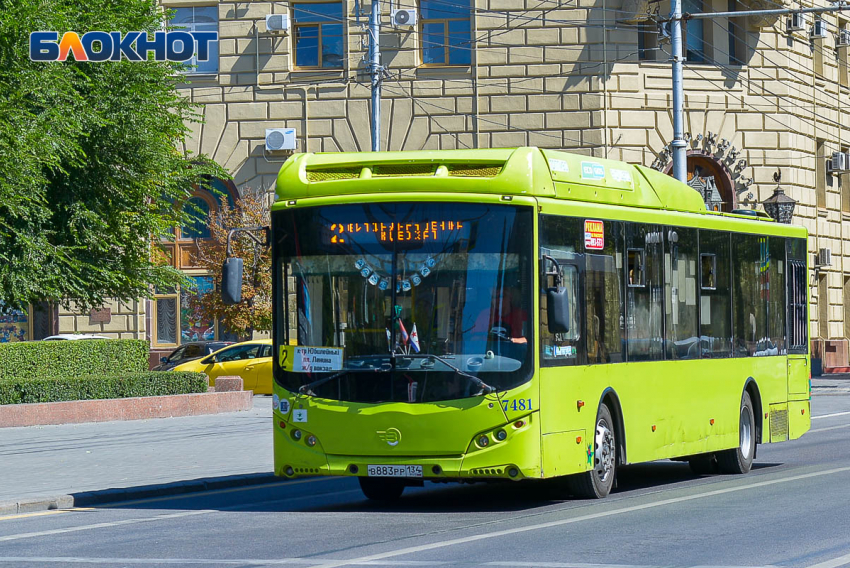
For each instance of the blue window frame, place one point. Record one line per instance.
(446, 32)
(199, 19)
(318, 35)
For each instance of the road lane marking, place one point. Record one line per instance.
(218, 561)
(291, 561)
(168, 516)
(42, 513)
(216, 492)
(830, 415)
(830, 428)
(834, 563)
(562, 522)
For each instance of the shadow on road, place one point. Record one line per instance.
(342, 495)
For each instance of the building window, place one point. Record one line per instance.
(846, 305)
(318, 35)
(446, 32)
(843, 53)
(199, 19)
(737, 37)
(647, 41)
(817, 53)
(165, 316)
(823, 307)
(197, 227)
(177, 318)
(820, 172)
(694, 39)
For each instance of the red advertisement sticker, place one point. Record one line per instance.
(594, 235)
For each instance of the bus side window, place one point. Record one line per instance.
(715, 306)
(680, 290)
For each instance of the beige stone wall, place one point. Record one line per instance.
(550, 74)
(127, 321)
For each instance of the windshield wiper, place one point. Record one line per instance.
(308, 388)
(485, 388)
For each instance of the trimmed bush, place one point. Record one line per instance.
(90, 387)
(48, 359)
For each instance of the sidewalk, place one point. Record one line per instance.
(44, 461)
(834, 383)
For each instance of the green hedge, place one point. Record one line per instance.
(148, 383)
(48, 359)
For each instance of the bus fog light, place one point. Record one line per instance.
(484, 441)
(513, 472)
(501, 435)
(289, 471)
(296, 435)
(311, 440)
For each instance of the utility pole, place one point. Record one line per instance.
(376, 72)
(680, 159)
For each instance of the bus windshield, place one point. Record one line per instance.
(410, 302)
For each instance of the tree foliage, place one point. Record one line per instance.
(90, 167)
(254, 313)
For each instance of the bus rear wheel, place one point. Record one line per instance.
(598, 482)
(740, 459)
(381, 488)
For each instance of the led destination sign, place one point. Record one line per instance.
(423, 232)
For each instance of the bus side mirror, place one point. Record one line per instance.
(558, 310)
(231, 280)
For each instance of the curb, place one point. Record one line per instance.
(117, 495)
(139, 408)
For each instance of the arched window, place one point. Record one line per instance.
(198, 210)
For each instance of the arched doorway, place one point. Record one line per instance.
(712, 179)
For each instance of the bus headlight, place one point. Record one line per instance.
(501, 435)
(296, 435)
(484, 441)
(311, 440)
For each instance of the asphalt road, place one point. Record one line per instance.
(793, 509)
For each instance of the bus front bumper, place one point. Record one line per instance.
(510, 451)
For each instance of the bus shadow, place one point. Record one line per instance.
(342, 495)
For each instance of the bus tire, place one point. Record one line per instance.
(740, 459)
(381, 488)
(598, 482)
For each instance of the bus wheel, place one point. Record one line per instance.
(381, 488)
(598, 482)
(740, 459)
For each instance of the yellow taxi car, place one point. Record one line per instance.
(251, 360)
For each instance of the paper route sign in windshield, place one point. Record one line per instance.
(315, 359)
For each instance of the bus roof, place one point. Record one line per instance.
(527, 171)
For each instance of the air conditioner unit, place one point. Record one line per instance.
(280, 139)
(818, 30)
(277, 22)
(403, 18)
(838, 162)
(824, 257)
(796, 23)
(843, 39)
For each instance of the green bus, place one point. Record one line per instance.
(525, 313)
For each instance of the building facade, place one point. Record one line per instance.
(763, 102)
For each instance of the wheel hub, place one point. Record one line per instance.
(605, 451)
(746, 433)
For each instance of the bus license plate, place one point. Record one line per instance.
(394, 470)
